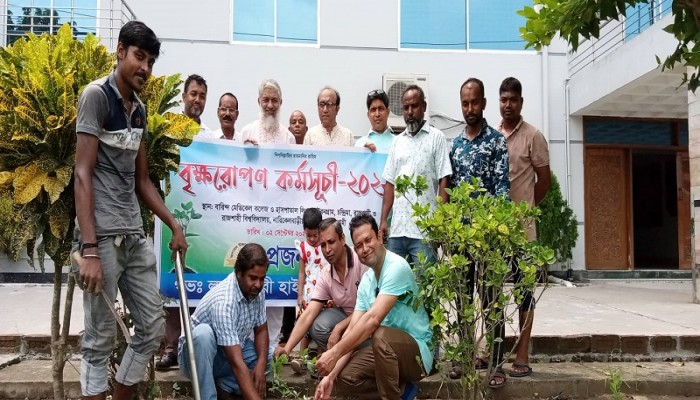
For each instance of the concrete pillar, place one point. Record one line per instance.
(694, 155)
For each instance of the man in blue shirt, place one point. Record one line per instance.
(227, 360)
(481, 152)
(380, 137)
(385, 312)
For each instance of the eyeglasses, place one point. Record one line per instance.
(227, 110)
(377, 92)
(323, 104)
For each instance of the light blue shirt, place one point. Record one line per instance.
(383, 140)
(396, 279)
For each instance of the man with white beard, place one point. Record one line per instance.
(267, 129)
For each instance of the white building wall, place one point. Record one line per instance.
(620, 67)
(358, 44)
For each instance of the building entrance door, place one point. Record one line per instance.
(607, 205)
(654, 209)
(637, 209)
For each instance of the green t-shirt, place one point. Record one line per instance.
(383, 140)
(396, 279)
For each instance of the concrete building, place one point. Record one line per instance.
(617, 126)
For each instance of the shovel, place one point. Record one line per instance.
(185, 314)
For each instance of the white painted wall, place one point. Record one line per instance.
(622, 66)
(358, 44)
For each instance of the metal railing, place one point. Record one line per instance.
(19, 17)
(615, 33)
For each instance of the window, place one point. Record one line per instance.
(462, 24)
(275, 21)
(642, 16)
(495, 25)
(46, 16)
(435, 24)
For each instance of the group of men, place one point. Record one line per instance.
(362, 314)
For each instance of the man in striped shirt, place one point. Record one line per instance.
(228, 362)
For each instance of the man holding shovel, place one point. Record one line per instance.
(110, 171)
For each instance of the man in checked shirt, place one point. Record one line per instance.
(228, 362)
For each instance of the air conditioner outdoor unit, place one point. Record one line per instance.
(394, 85)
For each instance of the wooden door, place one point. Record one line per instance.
(607, 219)
(684, 228)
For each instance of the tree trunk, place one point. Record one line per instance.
(59, 337)
(57, 351)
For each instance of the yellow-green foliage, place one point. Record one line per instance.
(40, 78)
(166, 132)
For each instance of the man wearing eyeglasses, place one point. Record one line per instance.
(267, 128)
(386, 313)
(228, 114)
(329, 133)
(380, 137)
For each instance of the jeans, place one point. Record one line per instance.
(129, 265)
(213, 368)
(410, 248)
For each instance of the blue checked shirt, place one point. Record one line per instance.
(485, 157)
(229, 314)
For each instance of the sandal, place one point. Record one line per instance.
(455, 372)
(497, 379)
(480, 363)
(525, 370)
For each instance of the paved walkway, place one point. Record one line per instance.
(642, 308)
(600, 307)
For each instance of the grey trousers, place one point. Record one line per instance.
(323, 325)
(128, 265)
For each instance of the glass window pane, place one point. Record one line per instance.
(38, 17)
(434, 24)
(253, 20)
(297, 21)
(638, 18)
(683, 134)
(602, 131)
(494, 24)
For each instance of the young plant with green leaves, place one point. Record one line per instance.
(557, 227)
(484, 233)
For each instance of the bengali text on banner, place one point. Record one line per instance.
(226, 194)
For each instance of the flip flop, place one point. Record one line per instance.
(527, 371)
(495, 375)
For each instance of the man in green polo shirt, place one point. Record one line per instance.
(400, 333)
(380, 137)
